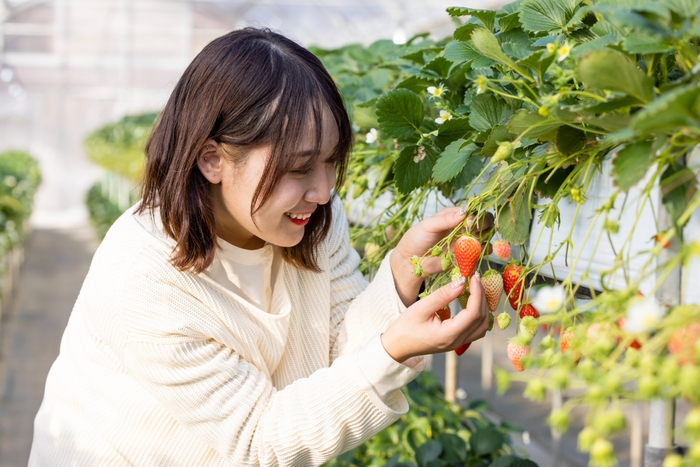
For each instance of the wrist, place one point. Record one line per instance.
(406, 282)
(392, 348)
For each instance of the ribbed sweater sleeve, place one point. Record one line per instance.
(231, 405)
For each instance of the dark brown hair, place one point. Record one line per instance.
(247, 89)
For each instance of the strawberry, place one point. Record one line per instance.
(516, 351)
(462, 348)
(443, 313)
(659, 239)
(501, 248)
(565, 344)
(467, 251)
(683, 341)
(528, 310)
(513, 283)
(493, 287)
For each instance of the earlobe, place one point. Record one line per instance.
(209, 161)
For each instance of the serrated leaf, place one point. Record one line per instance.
(608, 122)
(543, 41)
(630, 164)
(452, 160)
(508, 22)
(525, 123)
(670, 111)
(415, 84)
(644, 43)
(570, 140)
(539, 62)
(685, 8)
(546, 15)
(454, 448)
(464, 32)
(488, 111)
(459, 52)
(614, 104)
(487, 17)
(486, 440)
(400, 113)
(412, 170)
(485, 42)
(439, 65)
(513, 221)
(516, 50)
(452, 130)
(595, 44)
(611, 70)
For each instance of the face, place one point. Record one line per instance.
(282, 219)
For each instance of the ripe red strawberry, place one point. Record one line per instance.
(682, 343)
(462, 348)
(467, 251)
(493, 286)
(443, 313)
(513, 284)
(516, 351)
(528, 310)
(501, 248)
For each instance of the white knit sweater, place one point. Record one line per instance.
(163, 368)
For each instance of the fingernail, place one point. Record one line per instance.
(477, 274)
(470, 221)
(459, 282)
(462, 211)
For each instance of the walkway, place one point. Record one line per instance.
(56, 261)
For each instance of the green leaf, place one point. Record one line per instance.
(548, 183)
(645, 43)
(505, 461)
(513, 220)
(427, 452)
(415, 84)
(508, 22)
(485, 42)
(595, 44)
(486, 440)
(532, 125)
(488, 111)
(631, 163)
(539, 62)
(451, 130)
(678, 186)
(498, 134)
(452, 160)
(412, 170)
(608, 122)
(685, 8)
(609, 69)
(464, 32)
(440, 66)
(454, 448)
(546, 15)
(459, 52)
(487, 17)
(469, 172)
(516, 50)
(570, 140)
(400, 113)
(670, 112)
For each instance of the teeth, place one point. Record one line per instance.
(298, 216)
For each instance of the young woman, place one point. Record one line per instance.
(223, 321)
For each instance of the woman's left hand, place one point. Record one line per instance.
(422, 237)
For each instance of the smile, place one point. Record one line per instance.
(301, 216)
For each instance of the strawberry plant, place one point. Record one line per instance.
(575, 124)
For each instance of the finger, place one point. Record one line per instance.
(477, 333)
(480, 224)
(444, 220)
(441, 297)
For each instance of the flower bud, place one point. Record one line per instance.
(535, 390)
(559, 420)
(503, 320)
(602, 453)
(505, 149)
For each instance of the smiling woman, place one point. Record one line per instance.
(224, 320)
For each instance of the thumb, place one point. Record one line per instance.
(441, 297)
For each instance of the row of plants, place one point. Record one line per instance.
(119, 149)
(19, 179)
(524, 114)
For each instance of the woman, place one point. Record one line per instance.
(223, 320)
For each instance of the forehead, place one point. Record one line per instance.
(308, 142)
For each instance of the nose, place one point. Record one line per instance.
(322, 183)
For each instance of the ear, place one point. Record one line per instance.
(210, 161)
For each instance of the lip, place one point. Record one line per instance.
(300, 221)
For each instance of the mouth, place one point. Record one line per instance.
(299, 218)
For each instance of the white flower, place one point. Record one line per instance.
(563, 52)
(549, 299)
(419, 154)
(435, 92)
(643, 315)
(371, 137)
(444, 116)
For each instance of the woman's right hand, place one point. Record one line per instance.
(419, 331)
